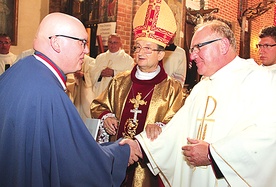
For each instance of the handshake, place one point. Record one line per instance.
(152, 130)
(135, 150)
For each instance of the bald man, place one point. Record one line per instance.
(43, 141)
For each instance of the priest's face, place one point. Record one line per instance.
(205, 51)
(147, 55)
(114, 44)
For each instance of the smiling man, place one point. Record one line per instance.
(43, 140)
(267, 47)
(145, 97)
(226, 128)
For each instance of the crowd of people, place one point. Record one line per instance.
(152, 133)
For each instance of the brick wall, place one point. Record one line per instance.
(228, 10)
(124, 23)
(125, 15)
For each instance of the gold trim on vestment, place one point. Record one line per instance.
(229, 166)
(201, 133)
(161, 173)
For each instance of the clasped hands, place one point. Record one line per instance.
(196, 152)
(111, 125)
(152, 131)
(79, 74)
(107, 72)
(135, 150)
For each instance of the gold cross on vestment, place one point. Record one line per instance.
(137, 101)
(201, 133)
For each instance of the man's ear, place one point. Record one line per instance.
(225, 45)
(161, 55)
(55, 44)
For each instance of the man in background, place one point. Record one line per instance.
(7, 58)
(267, 47)
(175, 61)
(79, 85)
(110, 63)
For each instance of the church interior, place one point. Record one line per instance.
(246, 18)
(44, 141)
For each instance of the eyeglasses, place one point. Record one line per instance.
(147, 50)
(84, 41)
(265, 46)
(4, 43)
(196, 48)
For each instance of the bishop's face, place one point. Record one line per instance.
(147, 55)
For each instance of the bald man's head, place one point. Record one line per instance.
(58, 34)
(59, 24)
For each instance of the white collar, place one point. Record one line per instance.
(146, 76)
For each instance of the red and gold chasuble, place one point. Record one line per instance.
(133, 122)
(136, 110)
(158, 105)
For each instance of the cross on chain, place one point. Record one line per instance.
(137, 102)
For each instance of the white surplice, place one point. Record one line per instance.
(240, 125)
(80, 90)
(119, 62)
(271, 68)
(6, 59)
(175, 64)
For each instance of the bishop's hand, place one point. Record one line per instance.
(153, 131)
(110, 125)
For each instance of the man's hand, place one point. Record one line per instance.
(111, 125)
(196, 152)
(79, 74)
(107, 72)
(135, 150)
(153, 131)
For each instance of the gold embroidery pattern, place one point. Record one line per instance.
(201, 133)
(132, 124)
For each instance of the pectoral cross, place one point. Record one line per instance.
(137, 102)
(201, 133)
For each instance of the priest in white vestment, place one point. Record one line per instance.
(79, 86)
(175, 61)
(110, 63)
(225, 134)
(7, 58)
